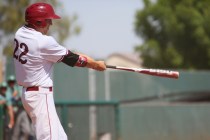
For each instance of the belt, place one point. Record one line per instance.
(37, 88)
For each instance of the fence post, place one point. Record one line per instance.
(117, 122)
(107, 85)
(92, 109)
(64, 110)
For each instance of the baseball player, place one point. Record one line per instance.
(35, 53)
(13, 87)
(5, 100)
(14, 91)
(22, 128)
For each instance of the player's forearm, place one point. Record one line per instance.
(14, 93)
(93, 64)
(81, 60)
(11, 116)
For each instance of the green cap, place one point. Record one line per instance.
(11, 78)
(3, 84)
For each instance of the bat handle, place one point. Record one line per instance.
(110, 66)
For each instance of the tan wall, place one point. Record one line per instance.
(121, 62)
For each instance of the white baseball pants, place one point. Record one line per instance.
(41, 108)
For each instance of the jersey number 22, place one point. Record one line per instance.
(24, 51)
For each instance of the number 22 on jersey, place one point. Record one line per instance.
(23, 51)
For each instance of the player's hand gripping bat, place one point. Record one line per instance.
(154, 72)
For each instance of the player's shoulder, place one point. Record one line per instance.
(26, 30)
(47, 41)
(29, 33)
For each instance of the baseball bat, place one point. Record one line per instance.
(153, 72)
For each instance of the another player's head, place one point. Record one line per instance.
(3, 88)
(11, 80)
(39, 16)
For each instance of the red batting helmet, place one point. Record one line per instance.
(36, 14)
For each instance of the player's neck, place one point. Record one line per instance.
(35, 28)
(30, 26)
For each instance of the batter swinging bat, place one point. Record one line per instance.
(154, 72)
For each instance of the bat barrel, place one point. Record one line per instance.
(153, 72)
(161, 73)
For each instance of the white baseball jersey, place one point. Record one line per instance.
(34, 56)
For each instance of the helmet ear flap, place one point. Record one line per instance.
(35, 23)
(41, 23)
(38, 23)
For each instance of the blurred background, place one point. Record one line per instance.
(119, 105)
